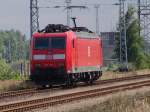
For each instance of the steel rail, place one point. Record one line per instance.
(51, 101)
(16, 93)
(125, 78)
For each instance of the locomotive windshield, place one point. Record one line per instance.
(50, 43)
(57, 43)
(41, 43)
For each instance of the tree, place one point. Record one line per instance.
(135, 43)
(13, 45)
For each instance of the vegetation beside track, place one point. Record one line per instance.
(10, 85)
(11, 79)
(112, 75)
(122, 103)
(137, 57)
(7, 73)
(13, 46)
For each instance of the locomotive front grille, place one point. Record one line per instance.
(48, 75)
(49, 71)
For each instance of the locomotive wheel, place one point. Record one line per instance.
(88, 79)
(68, 82)
(91, 79)
(73, 80)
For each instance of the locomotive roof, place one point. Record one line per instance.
(81, 32)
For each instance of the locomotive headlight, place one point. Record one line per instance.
(39, 57)
(69, 71)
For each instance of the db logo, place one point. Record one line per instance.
(89, 51)
(49, 57)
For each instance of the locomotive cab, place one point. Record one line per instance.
(48, 57)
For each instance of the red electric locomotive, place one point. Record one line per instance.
(64, 55)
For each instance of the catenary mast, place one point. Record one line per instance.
(34, 16)
(144, 22)
(122, 28)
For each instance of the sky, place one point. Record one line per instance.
(15, 14)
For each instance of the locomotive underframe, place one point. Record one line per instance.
(51, 76)
(44, 76)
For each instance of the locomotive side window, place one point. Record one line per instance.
(73, 43)
(41, 43)
(58, 43)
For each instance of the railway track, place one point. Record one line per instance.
(32, 91)
(55, 100)
(19, 93)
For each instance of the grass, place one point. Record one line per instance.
(112, 75)
(9, 85)
(121, 103)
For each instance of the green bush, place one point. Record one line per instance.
(112, 67)
(140, 62)
(148, 61)
(6, 73)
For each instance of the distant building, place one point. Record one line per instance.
(108, 43)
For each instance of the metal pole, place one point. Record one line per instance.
(31, 19)
(34, 16)
(97, 18)
(68, 2)
(9, 51)
(144, 17)
(139, 16)
(123, 42)
(120, 26)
